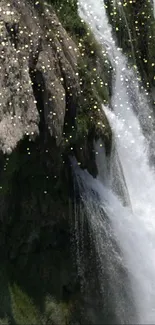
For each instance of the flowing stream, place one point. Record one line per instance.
(124, 233)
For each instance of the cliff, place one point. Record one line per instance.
(53, 81)
(134, 26)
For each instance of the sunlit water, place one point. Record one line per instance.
(132, 227)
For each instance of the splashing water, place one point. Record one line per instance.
(113, 224)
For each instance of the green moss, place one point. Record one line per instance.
(94, 66)
(23, 308)
(15, 306)
(95, 76)
(67, 12)
(94, 70)
(95, 85)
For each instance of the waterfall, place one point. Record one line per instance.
(124, 234)
(127, 94)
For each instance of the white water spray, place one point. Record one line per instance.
(134, 232)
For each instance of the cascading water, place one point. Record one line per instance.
(131, 228)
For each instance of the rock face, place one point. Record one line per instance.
(18, 112)
(49, 110)
(38, 70)
(136, 36)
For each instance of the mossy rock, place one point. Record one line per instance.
(23, 309)
(37, 193)
(56, 312)
(4, 321)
